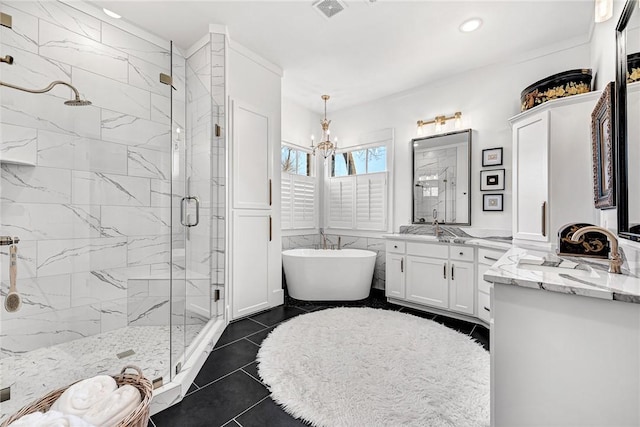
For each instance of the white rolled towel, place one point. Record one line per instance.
(50, 419)
(114, 408)
(81, 396)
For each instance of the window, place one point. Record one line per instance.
(298, 189)
(295, 161)
(357, 191)
(365, 160)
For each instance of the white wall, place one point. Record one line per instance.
(299, 123)
(487, 97)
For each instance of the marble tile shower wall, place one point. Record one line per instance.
(376, 245)
(94, 211)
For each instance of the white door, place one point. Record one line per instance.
(461, 287)
(530, 178)
(426, 281)
(250, 261)
(394, 280)
(251, 155)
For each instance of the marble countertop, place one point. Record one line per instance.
(537, 269)
(499, 243)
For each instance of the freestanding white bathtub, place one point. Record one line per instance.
(328, 275)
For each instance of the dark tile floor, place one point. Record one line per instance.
(228, 392)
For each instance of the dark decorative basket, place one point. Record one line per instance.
(633, 67)
(559, 85)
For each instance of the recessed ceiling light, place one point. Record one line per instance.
(471, 25)
(111, 14)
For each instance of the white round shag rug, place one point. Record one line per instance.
(369, 367)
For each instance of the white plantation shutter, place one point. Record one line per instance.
(298, 201)
(304, 201)
(341, 194)
(285, 190)
(371, 201)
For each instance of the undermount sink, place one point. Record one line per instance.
(572, 269)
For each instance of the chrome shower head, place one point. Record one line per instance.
(74, 102)
(77, 102)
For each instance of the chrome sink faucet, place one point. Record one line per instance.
(435, 223)
(615, 260)
(324, 240)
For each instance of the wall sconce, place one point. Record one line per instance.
(439, 122)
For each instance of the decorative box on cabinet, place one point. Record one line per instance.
(552, 171)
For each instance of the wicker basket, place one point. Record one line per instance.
(138, 418)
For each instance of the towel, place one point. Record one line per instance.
(49, 419)
(114, 408)
(81, 396)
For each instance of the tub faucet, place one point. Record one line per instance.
(615, 260)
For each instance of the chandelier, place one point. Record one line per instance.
(325, 146)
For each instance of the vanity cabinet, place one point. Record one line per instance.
(431, 274)
(486, 258)
(552, 168)
(427, 281)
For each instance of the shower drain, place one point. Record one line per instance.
(125, 354)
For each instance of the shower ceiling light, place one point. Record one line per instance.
(471, 25)
(111, 14)
(604, 10)
(325, 146)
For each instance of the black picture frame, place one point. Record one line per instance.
(602, 148)
(625, 229)
(488, 206)
(492, 180)
(488, 157)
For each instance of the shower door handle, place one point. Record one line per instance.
(183, 208)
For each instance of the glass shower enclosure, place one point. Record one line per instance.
(113, 203)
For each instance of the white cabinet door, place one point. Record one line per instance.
(461, 289)
(426, 281)
(250, 262)
(394, 280)
(251, 154)
(530, 178)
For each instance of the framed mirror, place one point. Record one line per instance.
(628, 125)
(442, 178)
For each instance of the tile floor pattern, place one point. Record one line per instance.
(228, 391)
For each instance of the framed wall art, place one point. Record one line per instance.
(492, 180)
(492, 202)
(602, 140)
(492, 157)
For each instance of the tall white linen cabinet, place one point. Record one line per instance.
(254, 123)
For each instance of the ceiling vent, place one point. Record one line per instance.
(329, 8)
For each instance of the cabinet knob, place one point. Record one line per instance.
(461, 253)
(395, 246)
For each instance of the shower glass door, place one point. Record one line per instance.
(191, 296)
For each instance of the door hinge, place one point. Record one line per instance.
(166, 79)
(6, 20)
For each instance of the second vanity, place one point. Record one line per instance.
(441, 275)
(565, 342)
